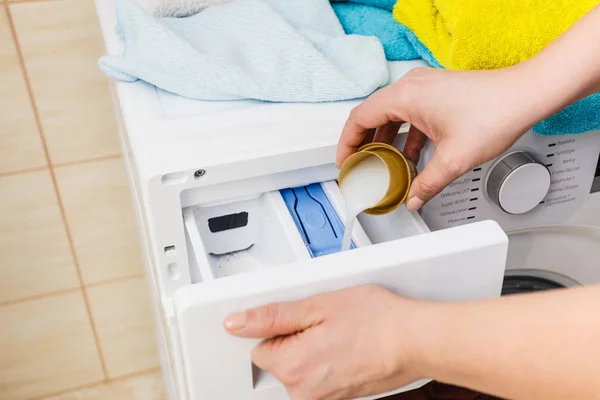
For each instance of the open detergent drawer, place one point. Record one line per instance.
(280, 246)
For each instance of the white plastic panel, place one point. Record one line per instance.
(457, 264)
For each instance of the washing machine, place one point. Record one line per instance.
(238, 206)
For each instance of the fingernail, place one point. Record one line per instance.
(235, 321)
(414, 203)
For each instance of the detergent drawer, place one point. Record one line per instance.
(396, 252)
(265, 230)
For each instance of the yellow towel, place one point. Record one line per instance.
(488, 34)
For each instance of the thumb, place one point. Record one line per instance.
(273, 320)
(437, 174)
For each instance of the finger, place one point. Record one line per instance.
(371, 114)
(369, 136)
(274, 320)
(415, 142)
(278, 354)
(439, 172)
(388, 132)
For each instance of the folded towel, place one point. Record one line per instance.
(488, 34)
(175, 8)
(359, 19)
(491, 34)
(272, 50)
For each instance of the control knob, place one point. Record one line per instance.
(518, 182)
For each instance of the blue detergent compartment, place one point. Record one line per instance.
(316, 220)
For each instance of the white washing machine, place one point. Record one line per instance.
(238, 206)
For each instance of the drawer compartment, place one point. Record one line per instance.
(281, 227)
(266, 230)
(268, 237)
(317, 219)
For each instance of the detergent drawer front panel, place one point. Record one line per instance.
(456, 264)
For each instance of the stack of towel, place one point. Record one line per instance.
(475, 34)
(311, 50)
(488, 34)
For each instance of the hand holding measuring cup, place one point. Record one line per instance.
(471, 116)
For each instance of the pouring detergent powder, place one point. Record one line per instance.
(375, 180)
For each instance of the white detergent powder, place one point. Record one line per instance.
(364, 186)
(238, 262)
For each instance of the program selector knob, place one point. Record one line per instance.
(518, 182)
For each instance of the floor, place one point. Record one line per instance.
(74, 316)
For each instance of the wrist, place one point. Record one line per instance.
(529, 98)
(423, 326)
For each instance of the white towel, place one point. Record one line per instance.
(175, 8)
(270, 50)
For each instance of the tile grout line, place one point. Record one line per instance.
(98, 383)
(56, 188)
(115, 280)
(23, 171)
(72, 290)
(87, 161)
(39, 296)
(61, 165)
(27, 1)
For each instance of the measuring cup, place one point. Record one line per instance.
(401, 172)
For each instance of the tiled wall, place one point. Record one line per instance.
(74, 311)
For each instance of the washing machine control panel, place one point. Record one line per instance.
(541, 180)
(518, 182)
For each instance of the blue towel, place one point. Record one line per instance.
(270, 50)
(372, 18)
(580, 117)
(358, 19)
(383, 4)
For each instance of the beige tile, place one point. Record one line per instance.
(47, 345)
(61, 44)
(100, 214)
(124, 323)
(35, 253)
(142, 387)
(20, 143)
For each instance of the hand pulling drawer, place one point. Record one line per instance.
(456, 264)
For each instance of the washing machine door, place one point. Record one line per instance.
(552, 257)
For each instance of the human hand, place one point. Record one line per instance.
(339, 345)
(471, 116)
